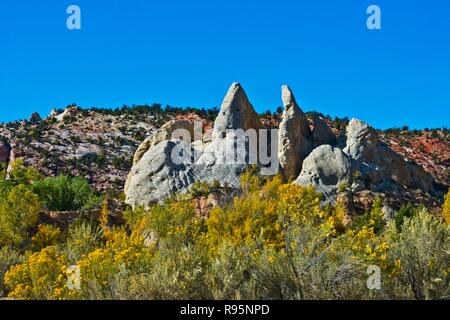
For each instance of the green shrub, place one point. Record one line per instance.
(19, 211)
(422, 249)
(83, 237)
(404, 212)
(176, 273)
(20, 174)
(64, 193)
(230, 272)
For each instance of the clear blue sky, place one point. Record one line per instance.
(187, 53)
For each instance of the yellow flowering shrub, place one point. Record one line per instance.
(8, 258)
(336, 219)
(368, 243)
(47, 235)
(446, 208)
(365, 242)
(262, 214)
(104, 219)
(372, 248)
(175, 219)
(273, 241)
(121, 251)
(299, 204)
(251, 218)
(42, 276)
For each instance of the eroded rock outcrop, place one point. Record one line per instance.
(236, 112)
(87, 150)
(174, 129)
(294, 136)
(223, 161)
(322, 133)
(155, 176)
(164, 164)
(35, 118)
(159, 174)
(379, 164)
(326, 168)
(233, 147)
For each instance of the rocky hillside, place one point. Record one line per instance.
(90, 144)
(430, 149)
(97, 144)
(100, 144)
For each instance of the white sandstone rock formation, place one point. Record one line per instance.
(380, 164)
(164, 164)
(322, 133)
(326, 168)
(294, 135)
(155, 175)
(174, 129)
(236, 112)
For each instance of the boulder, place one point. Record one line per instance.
(294, 136)
(379, 164)
(166, 132)
(159, 174)
(362, 141)
(164, 164)
(224, 161)
(87, 150)
(322, 133)
(326, 168)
